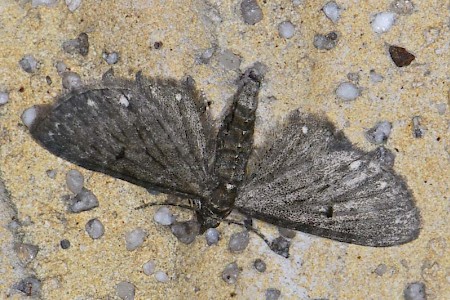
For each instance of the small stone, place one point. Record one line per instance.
(231, 273)
(51, 174)
(73, 5)
(61, 68)
(272, 294)
(286, 29)
(251, 12)
(375, 77)
(229, 60)
(83, 201)
(325, 42)
(347, 91)
(259, 265)
(287, 233)
(163, 216)
(418, 130)
(29, 64)
(71, 80)
(400, 56)
(125, 290)
(79, 45)
(95, 229)
(415, 291)
(186, 231)
(65, 244)
(380, 270)
(280, 246)
(26, 252)
(36, 3)
(383, 21)
(402, 7)
(135, 238)
(30, 286)
(379, 133)
(4, 98)
(239, 241)
(74, 181)
(29, 116)
(212, 236)
(332, 11)
(161, 276)
(111, 58)
(206, 55)
(149, 267)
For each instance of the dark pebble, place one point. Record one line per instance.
(272, 294)
(185, 231)
(280, 246)
(65, 244)
(325, 42)
(30, 286)
(80, 45)
(400, 56)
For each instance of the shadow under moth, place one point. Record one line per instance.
(158, 134)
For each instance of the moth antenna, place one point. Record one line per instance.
(164, 204)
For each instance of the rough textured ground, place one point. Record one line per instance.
(299, 75)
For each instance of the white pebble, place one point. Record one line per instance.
(347, 91)
(125, 290)
(161, 276)
(163, 216)
(83, 201)
(382, 22)
(212, 236)
(286, 29)
(36, 3)
(73, 5)
(251, 12)
(135, 238)
(111, 58)
(332, 11)
(4, 98)
(29, 116)
(71, 80)
(149, 267)
(95, 229)
(74, 181)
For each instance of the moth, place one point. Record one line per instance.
(158, 134)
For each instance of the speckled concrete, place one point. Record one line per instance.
(298, 76)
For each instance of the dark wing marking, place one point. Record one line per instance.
(310, 178)
(151, 132)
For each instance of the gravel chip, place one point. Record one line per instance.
(29, 64)
(382, 22)
(71, 80)
(30, 286)
(95, 229)
(206, 55)
(74, 181)
(239, 241)
(73, 5)
(380, 270)
(125, 290)
(185, 231)
(251, 12)
(286, 30)
(259, 265)
(325, 42)
(65, 244)
(400, 56)
(415, 291)
(231, 273)
(149, 267)
(347, 91)
(83, 201)
(161, 276)
(332, 11)
(111, 58)
(61, 68)
(212, 236)
(51, 174)
(26, 252)
(4, 98)
(402, 7)
(375, 77)
(79, 45)
(163, 216)
(229, 60)
(135, 238)
(379, 133)
(272, 294)
(280, 246)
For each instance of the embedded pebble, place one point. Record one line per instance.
(163, 216)
(48, 79)
(239, 241)
(287, 233)
(29, 64)
(400, 56)
(286, 29)
(79, 45)
(74, 181)
(51, 174)
(379, 133)
(418, 129)
(280, 246)
(206, 55)
(375, 77)
(111, 58)
(135, 238)
(251, 12)
(185, 231)
(441, 107)
(380, 270)
(347, 91)
(83, 201)
(73, 5)
(61, 68)
(415, 291)
(29, 116)
(272, 294)
(259, 265)
(231, 273)
(4, 98)
(402, 7)
(212, 236)
(26, 252)
(71, 80)
(161, 276)
(95, 228)
(325, 42)
(383, 21)
(30, 286)
(332, 11)
(149, 267)
(125, 290)
(229, 60)
(36, 3)
(65, 244)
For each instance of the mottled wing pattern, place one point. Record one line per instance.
(310, 178)
(150, 132)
